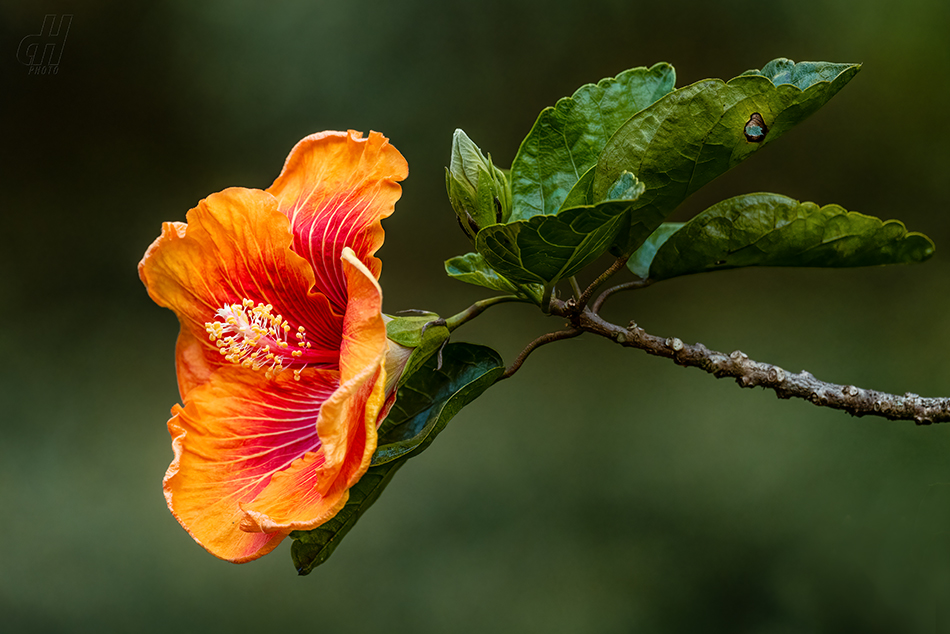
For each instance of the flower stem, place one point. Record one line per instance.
(477, 309)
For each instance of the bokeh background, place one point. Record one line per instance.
(601, 490)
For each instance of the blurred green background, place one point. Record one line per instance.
(601, 490)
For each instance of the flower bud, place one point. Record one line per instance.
(479, 191)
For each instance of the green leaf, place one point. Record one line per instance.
(423, 407)
(582, 193)
(696, 133)
(772, 230)
(802, 75)
(641, 259)
(545, 249)
(312, 548)
(472, 268)
(433, 396)
(567, 138)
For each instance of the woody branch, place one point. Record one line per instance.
(747, 372)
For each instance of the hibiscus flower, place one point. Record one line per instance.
(282, 354)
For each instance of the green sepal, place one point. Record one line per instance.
(472, 268)
(772, 230)
(423, 407)
(567, 139)
(694, 134)
(411, 331)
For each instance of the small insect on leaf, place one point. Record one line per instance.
(755, 128)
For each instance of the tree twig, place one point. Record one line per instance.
(749, 373)
(537, 343)
(626, 286)
(618, 264)
(546, 296)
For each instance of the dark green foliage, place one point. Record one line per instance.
(424, 405)
(472, 268)
(546, 249)
(694, 134)
(567, 138)
(773, 230)
(604, 168)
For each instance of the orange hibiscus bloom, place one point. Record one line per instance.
(282, 353)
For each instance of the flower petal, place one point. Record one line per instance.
(363, 347)
(234, 434)
(194, 368)
(311, 490)
(315, 488)
(236, 246)
(336, 188)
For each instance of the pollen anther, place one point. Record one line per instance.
(248, 334)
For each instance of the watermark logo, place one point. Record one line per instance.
(41, 52)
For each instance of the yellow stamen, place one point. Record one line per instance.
(248, 335)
